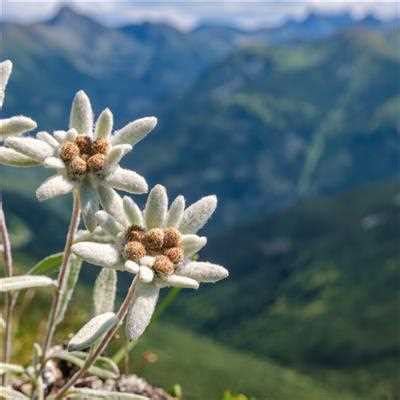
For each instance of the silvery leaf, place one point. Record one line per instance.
(104, 291)
(90, 394)
(8, 393)
(73, 359)
(12, 368)
(25, 282)
(75, 264)
(92, 330)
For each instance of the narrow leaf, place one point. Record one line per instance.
(8, 393)
(48, 264)
(104, 291)
(12, 368)
(88, 394)
(25, 282)
(92, 330)
(73, 274)
(100, 372)
(102, 362)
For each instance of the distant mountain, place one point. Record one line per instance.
(269, 125)
(315, 286)
(259, 125)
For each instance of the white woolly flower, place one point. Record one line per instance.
(13, 126)
(87, 157)
(157, 245)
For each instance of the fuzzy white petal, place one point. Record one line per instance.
(141, 309)
(56, 185)
(196, 216)
(113, 204)
(203, 271)
(34, 148)
(192, 244)
(81, 117)
(5, 72)
(133, 212)
(89, 204)
(15, 159)
(115, 155)
(132, 267)
(147, 260)
(104, 124)
(180, 281)
(102, 254)
(135, 131)
(72, 134)
(127, 180)
(146, 274)
(15, 126)
(108, 223)
(54, 162)
(175, 212)
(49, 139)
(156, 207)
(60, 136)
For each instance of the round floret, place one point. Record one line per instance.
(175, 254)
(77, 166)
(100, 146)
(69, 151)
(154, 239)
(96, 163)
(163, 265)
(172, 237)
(84, 143)
(134, 251)
(135, 232)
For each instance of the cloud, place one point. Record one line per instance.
(186, 13)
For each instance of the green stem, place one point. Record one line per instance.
(62, 276)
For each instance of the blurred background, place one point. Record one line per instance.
(290, 113)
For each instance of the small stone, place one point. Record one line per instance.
(96, 162)
(78, 166)
(163, 265)
(135, 233)
(84, 143)
(100, 146)
(134, 251)
(154, 239)
(69, 151)
(175, 254)
(172, 237)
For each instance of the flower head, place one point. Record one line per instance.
(157, 244)
(13, 126)
(87, 157)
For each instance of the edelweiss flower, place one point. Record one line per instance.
(12, 126)
(158, 245)
(87, 158)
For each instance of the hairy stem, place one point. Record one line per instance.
(9, 301)
(121, 314)
(61, 280)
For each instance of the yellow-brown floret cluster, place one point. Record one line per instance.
(165, 245)
(84, 155)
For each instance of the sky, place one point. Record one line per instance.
(187, 13)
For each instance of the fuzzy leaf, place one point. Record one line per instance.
(92, 330)
(72, 278)
(73, 359)
(89, 394)
(13, 368)
(104, 291)
(8, 393)
(102, 362)
(25, 282)
(48, 264)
